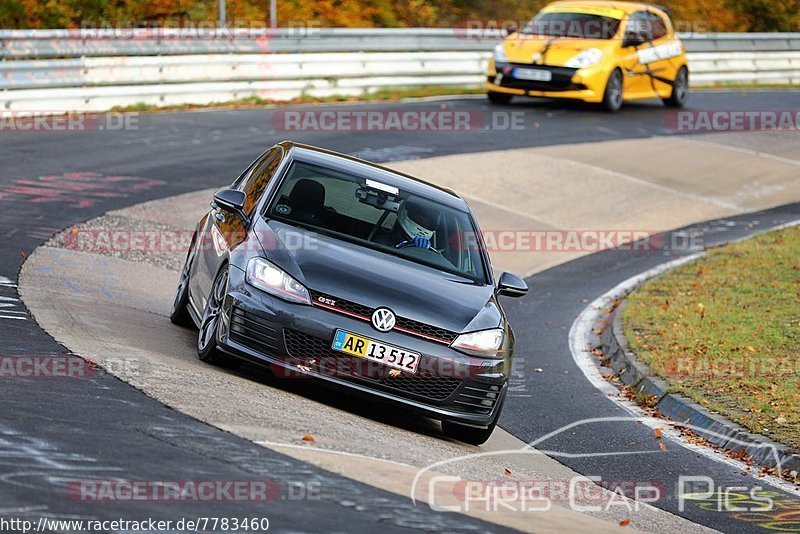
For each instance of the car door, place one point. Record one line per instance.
(636, 35)
(223, 231)
(658, 55)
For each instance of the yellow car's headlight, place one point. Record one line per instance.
(500, 54)
(587, 58)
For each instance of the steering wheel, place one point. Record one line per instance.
(410, 244)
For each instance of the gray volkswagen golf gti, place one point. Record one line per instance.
(316, 263)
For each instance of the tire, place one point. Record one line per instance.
(680, 90)
(612, 97)
(207, 349)
(468, 434)
(179, 314)
(501, 99)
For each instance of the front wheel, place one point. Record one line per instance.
(612, 98)
(470, 434)
(680, 90)
(207, 349)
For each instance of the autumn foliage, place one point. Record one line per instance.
(701, 15)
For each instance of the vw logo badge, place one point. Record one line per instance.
(383, 319)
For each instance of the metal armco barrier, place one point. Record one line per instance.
(94, 70)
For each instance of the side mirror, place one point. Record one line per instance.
(232, 201)
(511, 29)
(633, 39)
(511, 285)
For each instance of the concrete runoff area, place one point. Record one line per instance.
(113, 309)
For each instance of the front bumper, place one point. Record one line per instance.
(575, 84)
(295, 340)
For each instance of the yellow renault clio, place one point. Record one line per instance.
(591, 50)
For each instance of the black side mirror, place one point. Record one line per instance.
(633, 39)
(511, 285)
(511, 29)
(232, 201)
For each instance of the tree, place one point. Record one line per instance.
(767, 15)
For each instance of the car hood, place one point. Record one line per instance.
(521, 48)
(351, 272)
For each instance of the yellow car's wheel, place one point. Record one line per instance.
(680, 90)
(612, 98)
(499, 98)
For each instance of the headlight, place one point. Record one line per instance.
(500, 54)
(486, 343)
(267, 277)
(587, 58)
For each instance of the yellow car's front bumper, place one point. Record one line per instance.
(586, 95)
(587, 84)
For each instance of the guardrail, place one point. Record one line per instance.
(94, 70)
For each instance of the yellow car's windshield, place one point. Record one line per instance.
(573, 25)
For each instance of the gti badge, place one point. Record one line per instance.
(383, 319)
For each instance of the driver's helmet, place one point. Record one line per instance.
(416, 219)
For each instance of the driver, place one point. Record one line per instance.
(414, 223)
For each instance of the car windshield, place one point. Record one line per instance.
(379, 216)
(573, 25)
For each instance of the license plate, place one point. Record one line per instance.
(535, 75)
(369, 349)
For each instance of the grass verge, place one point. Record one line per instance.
(725, 331)
(383, 95)
(255, 101)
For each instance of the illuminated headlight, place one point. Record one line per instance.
(587, 58)
(269, 278)
(500, 54)
(486, 343)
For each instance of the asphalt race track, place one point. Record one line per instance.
(102, 428)
(632, 452)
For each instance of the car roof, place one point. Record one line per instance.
(358, 167)
(626, 7)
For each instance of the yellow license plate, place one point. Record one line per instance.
(369, 349)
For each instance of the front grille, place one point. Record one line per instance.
(561, 79)
(426, 330)
(317, 354)
(341, 305)
(253, 331)
(359, 311)
(437, 388)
